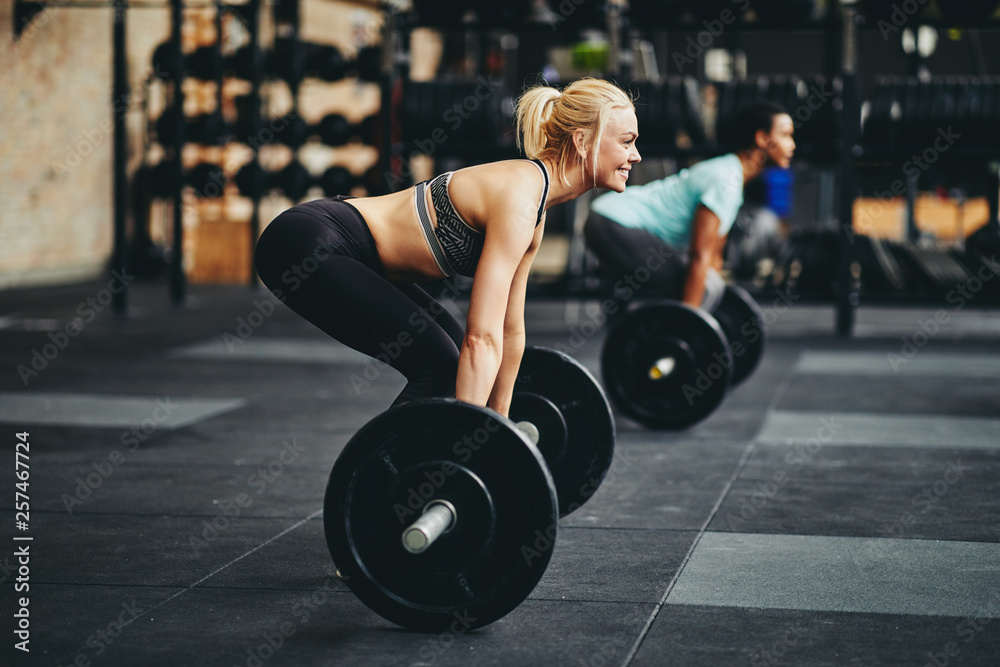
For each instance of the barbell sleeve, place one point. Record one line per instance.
(437, 519)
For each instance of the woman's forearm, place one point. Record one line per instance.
(503, 388)
(478, 366)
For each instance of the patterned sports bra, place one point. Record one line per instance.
(455, 244)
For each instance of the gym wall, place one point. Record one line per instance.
(56, 170)
(56, 166)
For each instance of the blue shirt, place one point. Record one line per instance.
(666, 207)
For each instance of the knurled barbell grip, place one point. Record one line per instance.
(438, 518)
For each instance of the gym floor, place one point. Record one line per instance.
(841, 507)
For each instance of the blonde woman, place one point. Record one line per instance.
(351, 265)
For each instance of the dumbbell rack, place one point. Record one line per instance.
(290, 60)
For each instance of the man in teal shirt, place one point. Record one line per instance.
(685, 217)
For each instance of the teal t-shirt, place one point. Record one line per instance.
(666, 207)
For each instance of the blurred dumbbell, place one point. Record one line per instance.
(295, 181)
(207, 180)
(290, 130)
(207, 129)
(293, 131)
(198, 64)
(293, 60)
(335, 130)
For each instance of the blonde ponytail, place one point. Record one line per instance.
(547, 118)
(533, 110)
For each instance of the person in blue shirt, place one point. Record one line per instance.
(675, 228)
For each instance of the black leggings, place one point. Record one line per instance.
(639, 262)
(635, 258)
(320, 259)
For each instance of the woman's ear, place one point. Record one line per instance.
(580, 143)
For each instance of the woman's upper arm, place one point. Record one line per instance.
(510, 233)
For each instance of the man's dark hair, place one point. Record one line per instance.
(752, 117)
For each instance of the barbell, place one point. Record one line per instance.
(668, 365)
(438, 510)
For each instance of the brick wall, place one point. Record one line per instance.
(56, 122)
(56, 116)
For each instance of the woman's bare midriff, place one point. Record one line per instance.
(399, 239)
(398, 235)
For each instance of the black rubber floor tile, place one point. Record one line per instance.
(956, 396)
(836, 464)
(269, 489)
(601, 565)
(295, 561)
(947, 508)
(665, 485)
(724, 636)
(121, 550)
(324, 626)
(81, 624)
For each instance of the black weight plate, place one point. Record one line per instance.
(441, 449)
(666, 399)
(743, 324)
(575, 424)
